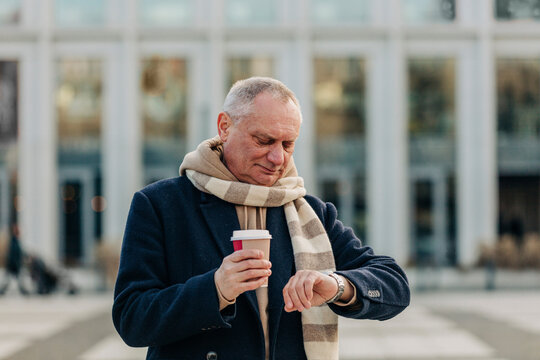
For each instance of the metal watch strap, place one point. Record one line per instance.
(341, 288)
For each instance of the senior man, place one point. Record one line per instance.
(183, 291)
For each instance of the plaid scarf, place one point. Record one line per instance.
(310, 243)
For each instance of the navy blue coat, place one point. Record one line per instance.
(165, 298)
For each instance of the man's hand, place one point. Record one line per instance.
(308, 288)
(241, 271)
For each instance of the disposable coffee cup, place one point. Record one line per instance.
(253, 239)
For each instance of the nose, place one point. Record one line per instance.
(276, 155)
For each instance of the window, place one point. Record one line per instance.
(251, 12)
(70, 13)
(518, 148)
(164, 99)
(79, 106)
(10, 12)
(517, 9)
(166, 12)
(339, 95)
(432, 161)
(431, 98)
(429, 11)
(239, 68)
(518, 99)
(339, 12)
(9, 115)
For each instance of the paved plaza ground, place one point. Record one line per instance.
(443, 325)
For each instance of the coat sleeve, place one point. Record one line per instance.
(147, 311)
(382, 288)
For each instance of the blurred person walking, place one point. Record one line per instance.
(14, 263)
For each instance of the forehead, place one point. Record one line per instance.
(273, 117)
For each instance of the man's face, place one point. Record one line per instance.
(257, 149)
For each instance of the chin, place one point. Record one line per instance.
(266, 181)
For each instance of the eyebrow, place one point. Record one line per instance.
(267, 137)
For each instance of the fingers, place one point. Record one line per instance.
(241, 255)
(242, 271)
(298, 293)
(250, 274)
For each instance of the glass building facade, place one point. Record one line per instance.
(420, 118)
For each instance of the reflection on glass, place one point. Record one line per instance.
(429, 11)
(8, 103)
(517, 9)
(432, 161)
(330, 192)
(250, 12)
(339, 95)
(79, 104)
(518, 98)
(9, 115)
(79, 100)
(431, 98)
(519, 207)
(72, 216)
(10, 12)
(359, 221)
(164, 87)
(79, 12)
(166, 12)
(518, 147)
(423, 225)
(339, 12)
(340, 98)
(239, 68)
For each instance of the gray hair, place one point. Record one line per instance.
(240, 98)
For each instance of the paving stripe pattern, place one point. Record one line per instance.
(446, 326)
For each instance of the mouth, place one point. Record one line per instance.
(268, 171)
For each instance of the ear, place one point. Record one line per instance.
(224, 123)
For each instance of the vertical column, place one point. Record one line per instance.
(122, 158)
(26, 154)
(488, 163)
(40, 200)
(198, 127)
(378, 127)
(468, 194)
(478, 184)
(388, 182)
(216, 66)
(302, 85)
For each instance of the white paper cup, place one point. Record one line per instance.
(253, 239)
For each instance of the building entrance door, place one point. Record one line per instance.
(78, 223)
(432, 217)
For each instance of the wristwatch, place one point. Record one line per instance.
(341, 288)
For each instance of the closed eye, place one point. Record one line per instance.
(262, 141)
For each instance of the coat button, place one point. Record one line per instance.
(212, 355)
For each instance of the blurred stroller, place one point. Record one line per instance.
(31, 272)
(47, 280)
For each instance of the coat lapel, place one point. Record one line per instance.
(221, 218)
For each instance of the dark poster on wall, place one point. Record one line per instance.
(8, 102)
